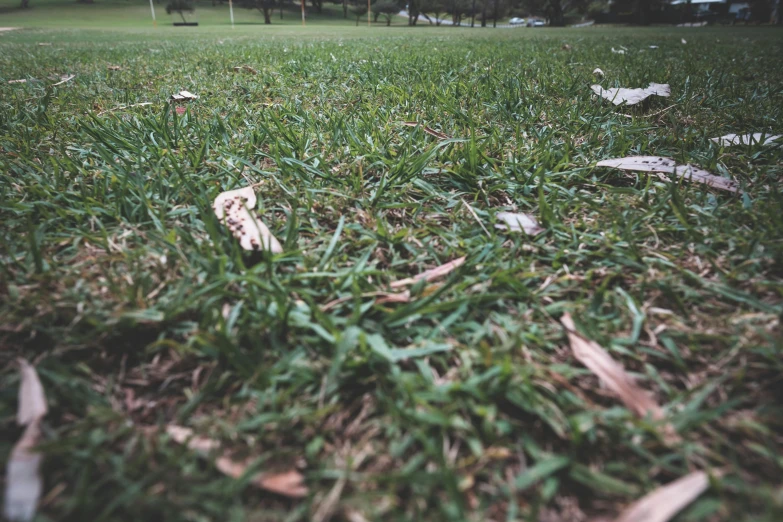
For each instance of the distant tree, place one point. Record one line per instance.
(387, 9)
(25, 4)
(761, 10)
(458, 9)
(180, 7)
(359, 11)
(318, 4)
(414, 10)
(436, 8)
(264, 6)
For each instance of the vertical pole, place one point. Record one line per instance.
(368, 13)
(231, 12)
(152, 9)
(303, 16)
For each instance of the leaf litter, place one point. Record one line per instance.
(288, 483)
(183, 96)
(518, 222)
(620, 95)
(431, 132)
(663, 503)
(669, 166)
(756, 138)
(23, 484)
(233, 208)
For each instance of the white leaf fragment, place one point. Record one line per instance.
(598, 72)
(23, 483)
(32, 401)
(684, 41)
(183, 96)
(669, 166)
(517, 222)
(756, 138)
(665, 502)
(618, 51)
(233, 208)
(620, 95)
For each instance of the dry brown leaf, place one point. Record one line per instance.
(518, 222)
(669, 166)
(18, 81)
(610, 372)
(64, 79)
(23, 484)
(566, 47)
(665, 502)
(289, 483)
(426, 129)
(756, 138)
(114, 67)
(431, 274)
(620, 95)
(233, 209)
(32, 401)
(182, 435)
(183, 96)
(245, 68)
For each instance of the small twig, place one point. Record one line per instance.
(64, 80)
(476, 216)
(122, 107)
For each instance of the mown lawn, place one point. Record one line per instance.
(140, 311)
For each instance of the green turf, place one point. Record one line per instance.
(140, 310)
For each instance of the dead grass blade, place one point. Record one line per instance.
(245, 68)
(17, 81)
(665, 502)
(64, 79)
(123, 107)
(23, 484)
(288, 483)
(426, 129)
(669, 166)
(431, 274)
(611, 373)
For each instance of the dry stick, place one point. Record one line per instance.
(64, 80)
(476, 216)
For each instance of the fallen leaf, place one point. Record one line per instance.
(289, 483)
(517, 222)
(666, 165)
(426, 129)
(18, 81)
(183, 96)
(684, 41)
(618, 51)
(23, 484)
(32, 401)
(746, 139)
(621, 95)
(114, 67)
(598, 72)
(245, 68)
(610, 372)
(653, 47)
(566, 47)
(665, 502)
(431, 274)
(64, 79)
(182, 435)
(233, 209)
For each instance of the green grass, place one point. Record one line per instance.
(140, 310)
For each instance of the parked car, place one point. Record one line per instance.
(535, 23)
(517, 21)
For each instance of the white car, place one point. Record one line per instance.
(517, 21)
(536, 23)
